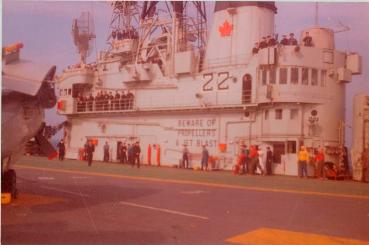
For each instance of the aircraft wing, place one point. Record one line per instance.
(25, 76)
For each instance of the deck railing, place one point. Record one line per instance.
(104, 105)
(126, 104)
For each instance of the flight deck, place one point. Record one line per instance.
(108, 203)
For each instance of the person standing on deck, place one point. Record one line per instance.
(136, 154)
(204, 158)
(90, 148)
(269, 161)
(243, 156)
(303, 157)
(61, 147)
(106, 152)
(185, 156)
(123, 153)
(260, 163)
(319, 161)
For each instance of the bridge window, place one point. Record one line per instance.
(294, 114)
(291, 146)
(278, 114)
(294, 75)
(272, 75)
(278, 151)
(322, 78)
(283, 76)
(246, 88)
(263, 74)
(314, 77)
(305, 76)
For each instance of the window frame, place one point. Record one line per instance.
(305, 81)
(323, 78)
(277, 117)
(294, 113)
(297, 75)
(284, 69)
(316, 81)
(264, 76)
(274, 72)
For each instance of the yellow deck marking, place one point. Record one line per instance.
(264, 236)
(173, 181)
(26, 199)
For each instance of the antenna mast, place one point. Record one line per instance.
(316, 14)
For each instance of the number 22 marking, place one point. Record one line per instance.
(222, 78)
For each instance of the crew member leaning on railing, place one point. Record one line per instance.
(105, 101)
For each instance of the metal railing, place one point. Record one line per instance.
(104, 105)
(153, 103)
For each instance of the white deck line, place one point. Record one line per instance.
(163, 210)
(64, 191)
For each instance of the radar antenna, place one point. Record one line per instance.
(83, 33)
(342, 28)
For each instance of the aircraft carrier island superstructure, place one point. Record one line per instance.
(169, 82)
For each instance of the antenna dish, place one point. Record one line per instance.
(83, 33)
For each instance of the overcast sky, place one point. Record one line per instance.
(45, 30)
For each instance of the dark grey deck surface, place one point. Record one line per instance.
(102, 208)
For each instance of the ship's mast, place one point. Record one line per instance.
(157, 33)
(316, 14)
(83, 34)
(124, 19)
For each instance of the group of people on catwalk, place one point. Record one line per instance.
(105, 101)
(270, 41)
(129, 33)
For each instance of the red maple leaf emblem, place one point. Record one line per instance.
(225, 29)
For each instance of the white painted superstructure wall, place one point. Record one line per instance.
(248, 25)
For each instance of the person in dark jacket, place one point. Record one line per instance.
(123, 101)
(123, 153)
(90, 102)
(269, 161)
(116, 101)
(90, 148)
(130, 98)
(263, 43)
(284, 40)
(61, 147)
(136, 154)
(255, 49)
(204, 158)
(106, 152)
(185, 156)
(272, 41)
(308, 40)
(292, 40)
